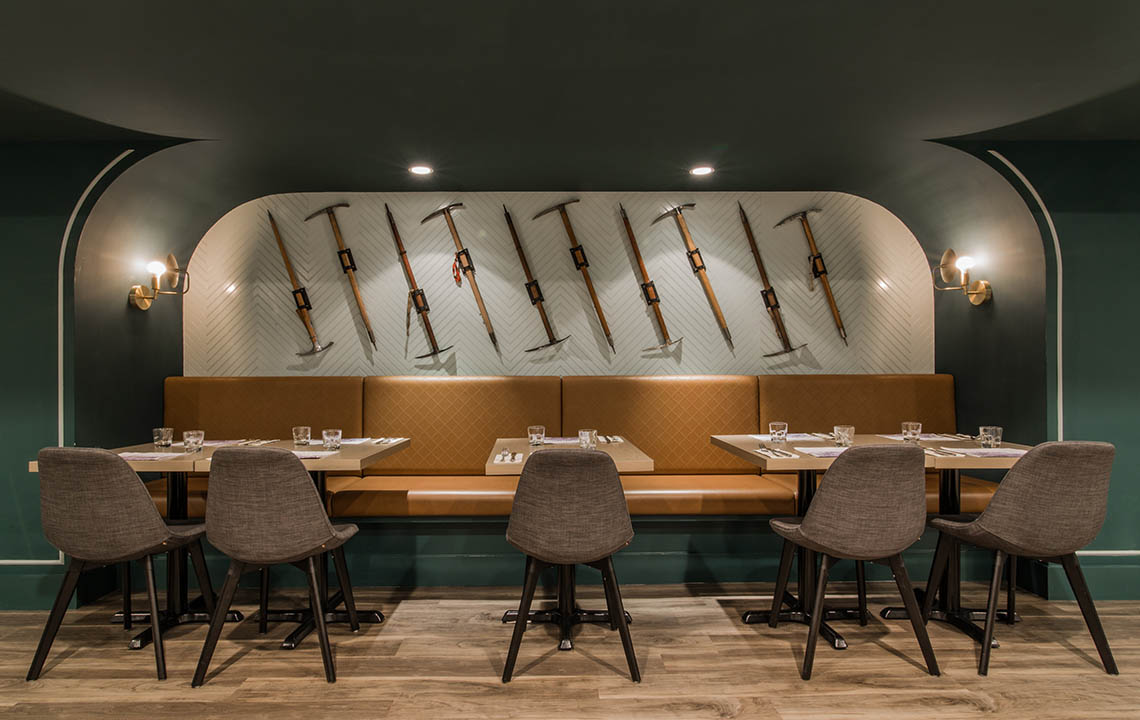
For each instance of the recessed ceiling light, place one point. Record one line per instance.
(420, 170)
(702, 170)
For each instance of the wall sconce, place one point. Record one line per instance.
(978, 292)
(176, 279)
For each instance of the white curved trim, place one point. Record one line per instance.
(59, 323)
(1057, 254)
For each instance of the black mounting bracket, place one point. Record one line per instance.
(463, 257)
(695, 260)
(419, 301)
(818, 269)
(346, 261)
(579, 254)
(301, 297)
(534, 292)
(770, 300)
(650, 291)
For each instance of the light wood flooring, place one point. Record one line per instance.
(440, 654)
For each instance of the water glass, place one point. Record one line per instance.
(536, 435)
(331, 438)
(302, 434)
(844, 435)
(192, 440)
(163, 437)
(778, 432)
(588, 439)
(911, 432)
(989, 436)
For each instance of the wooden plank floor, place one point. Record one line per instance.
(441, 651)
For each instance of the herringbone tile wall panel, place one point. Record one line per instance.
(240, 319)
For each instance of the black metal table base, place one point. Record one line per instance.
(305, 618)
(553, 616)
(797, 614)
(963, 619)
(195, 613)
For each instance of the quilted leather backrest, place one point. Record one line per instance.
(228, 408)
(669, 417)
(872, 403)
(453, 421)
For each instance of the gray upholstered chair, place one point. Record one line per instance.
(263, 509)
(870, 505)
(95, 509)
(1050, 504)
(570, 510)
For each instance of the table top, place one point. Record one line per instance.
(627, 456)
(745, 446)
(350, 458)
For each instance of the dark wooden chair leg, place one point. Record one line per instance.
(861, 590)
(991, 613)
(816, 618)
(937, 570)
(203, 574)
(233, 575)
(611, 603)
(125, 584)
(609, 576)
(533, 570)
(1088, 609)
(316, 604)
(902, 580)
(58, 609)
(565, 606)
(346, 588)
(786, 554)
(263, 601)
(1011, 592)
(155, 618)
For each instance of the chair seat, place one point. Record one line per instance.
(965, 528)
(180, 536)
(790, 528)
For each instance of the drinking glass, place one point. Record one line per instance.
(911, 431)
(778, 431)
(163, 437)
(989, 436)
(192, 440)
(536, 434)
(302, 434)
(844, 435)
(588, 439)
(331, 438)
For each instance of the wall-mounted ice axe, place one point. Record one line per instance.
(300, 295)
(532, 288)
(648, 289)
(697, 263)
(818, 269)
(578, 253)
(768, 293)
(463, 259)
(416, 297)
(347, 264)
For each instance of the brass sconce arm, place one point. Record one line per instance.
(953, 267)
(177, 280)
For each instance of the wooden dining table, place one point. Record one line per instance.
(177, 466)
(628, 458)
(949, 464)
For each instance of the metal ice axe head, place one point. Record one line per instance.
(317, 347)
(328, 210)
(671, 212)
(558, 207)
(797, 216)
(445, 210)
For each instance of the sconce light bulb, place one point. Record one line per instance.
(155, 267)
(965, 263)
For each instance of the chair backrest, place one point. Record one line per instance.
(569, 508)
(94, 507)
(871, 502)
(263, 507)
(1053, 500)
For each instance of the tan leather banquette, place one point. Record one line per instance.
(454, 421)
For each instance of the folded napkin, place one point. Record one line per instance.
(822, 452)
(792, 437)
(988, 452)
(774, 455)
(926, 437)
(314, 454)
(610, 439)
(560, 441)
(138, 456)
(822, 436)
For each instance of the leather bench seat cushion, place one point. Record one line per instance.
(872, 403)
(229, 408)
(669, 417)
(459, 495)
(195, 495)
(454, 421)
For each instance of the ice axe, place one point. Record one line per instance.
(818, 269)
(300, 295)
(463, 258)
(648, 289)
(697, 263)
(578, 253)
(532, 288)
(347, 264)
(416, 297)
(768, 293)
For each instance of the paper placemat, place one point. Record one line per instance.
(560, 441)
(514, 459)
(822, 452)
(987, 452)
(610, 439)
(926, 437)
(354, 441)
(792, 437)
(314, 454)
(774, 455)
(139, 456)
(387, 440)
